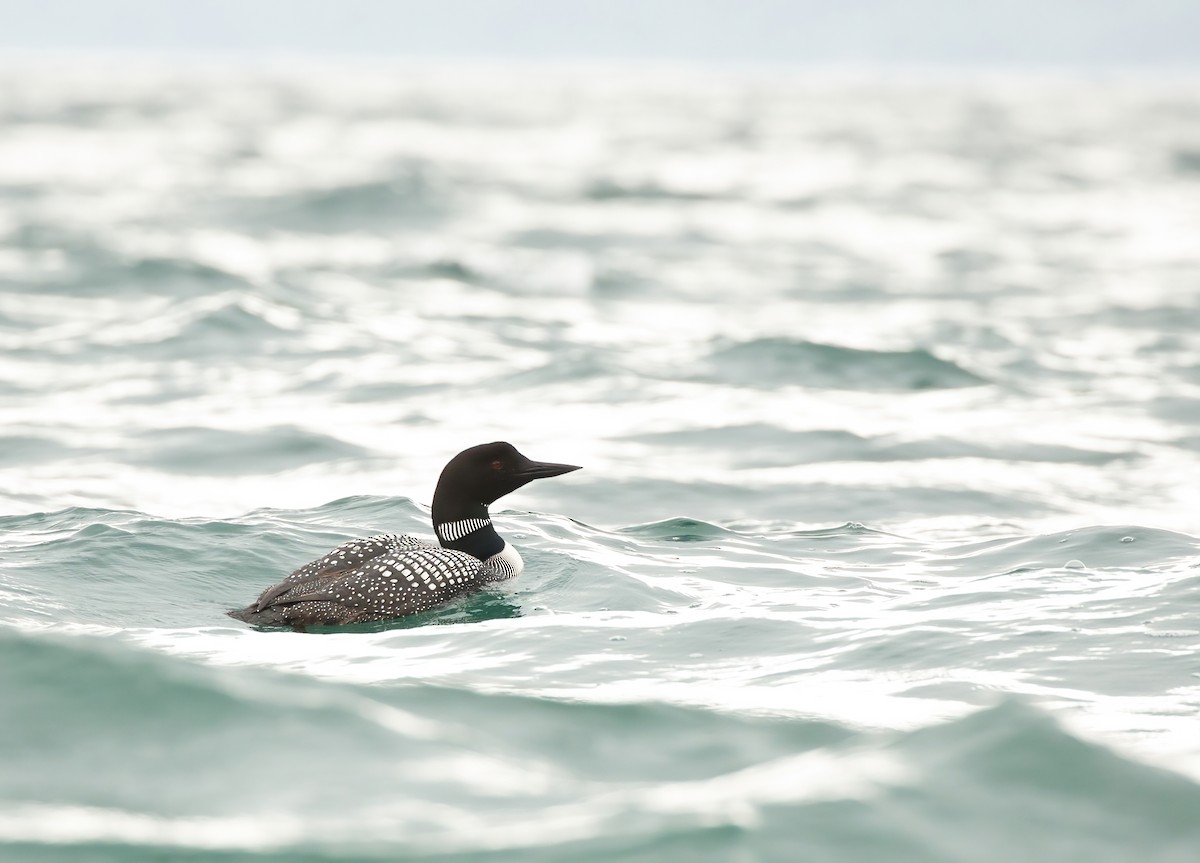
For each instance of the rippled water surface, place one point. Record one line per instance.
(887, 545)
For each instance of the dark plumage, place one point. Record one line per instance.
(390, 576)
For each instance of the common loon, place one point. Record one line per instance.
(389, 576)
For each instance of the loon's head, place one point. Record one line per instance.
(483, 474)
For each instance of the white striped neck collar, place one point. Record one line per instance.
(452, 531)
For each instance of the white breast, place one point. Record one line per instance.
(506, 563)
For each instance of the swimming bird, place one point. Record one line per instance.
(390, 576)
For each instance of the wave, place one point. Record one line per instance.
(608, 189)
(1187, 161)
(173, 277)
(1115, 546)
(412, 194)
(678, 530)
(32, 449)
(108, 748)
(763, 445)
(773, 362)
(230, 327)
(92, 268)
(225, 452)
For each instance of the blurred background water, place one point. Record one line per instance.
(886, 546)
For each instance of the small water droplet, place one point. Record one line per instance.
(616, 638)
(1074, 564)
(1127, 539)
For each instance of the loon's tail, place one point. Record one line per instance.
(266, 617)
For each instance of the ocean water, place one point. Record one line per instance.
(887, 542)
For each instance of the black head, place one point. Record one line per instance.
(482, 474)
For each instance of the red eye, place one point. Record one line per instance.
(497, 465)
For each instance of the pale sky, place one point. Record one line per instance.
(1088, 33)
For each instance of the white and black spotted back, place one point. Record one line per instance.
(381, 578)
(346, 557)
(407, 581)
(357, 552)
(411, 578)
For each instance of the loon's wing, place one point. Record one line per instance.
(408, 580)
(344, 558)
